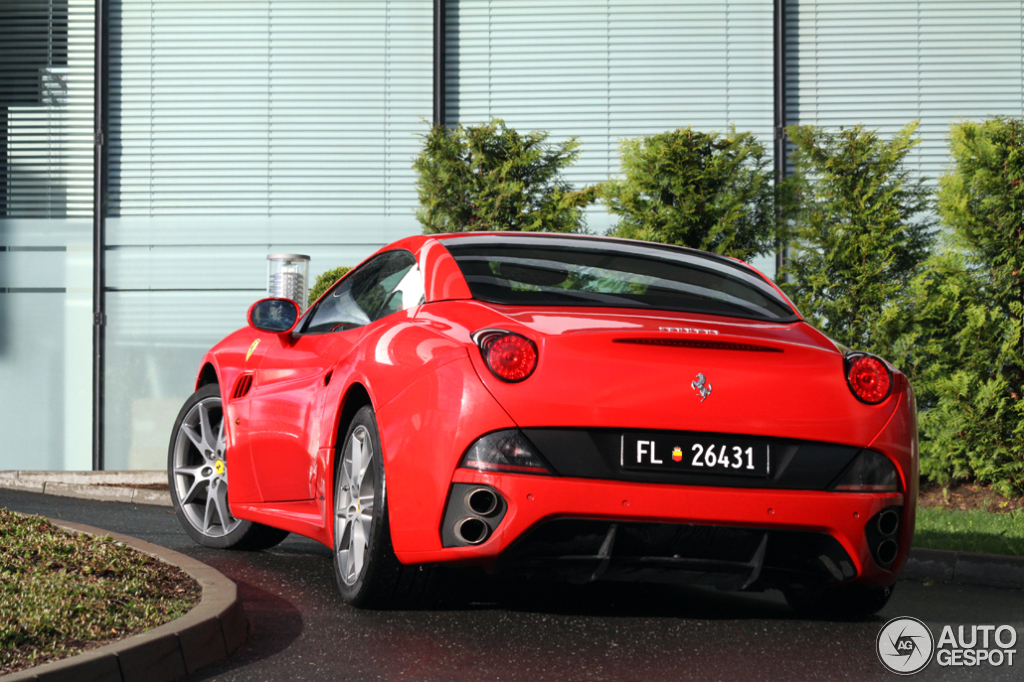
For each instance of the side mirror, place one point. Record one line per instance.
(275, 315)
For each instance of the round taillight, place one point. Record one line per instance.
(869, 379)
(509, 356)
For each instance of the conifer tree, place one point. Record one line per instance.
(961, 338)
(707, 191)
(491, 177)
(861, 229)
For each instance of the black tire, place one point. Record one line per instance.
(379, 580)
(194, 473)
(844, 602)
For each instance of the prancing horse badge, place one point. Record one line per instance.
(698, 385)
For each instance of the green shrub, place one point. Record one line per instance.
(707, 191)
(490, 177)
(325, 281)
(861, 230)
(961, 336)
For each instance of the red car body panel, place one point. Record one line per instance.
(792, 393)
(434, 396)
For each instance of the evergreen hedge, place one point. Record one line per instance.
(958, 328)
(707, 191)
(491, 177)
(861, 229)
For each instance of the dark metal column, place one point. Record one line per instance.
(99, 239)
(439, 52)
(3, 162)
(780, 107)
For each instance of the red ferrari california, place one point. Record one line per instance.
(576, 407)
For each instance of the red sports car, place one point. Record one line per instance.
(549, 405)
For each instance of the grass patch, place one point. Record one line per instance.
(62, 593)
(970, 531)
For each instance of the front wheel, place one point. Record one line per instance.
(197, 476)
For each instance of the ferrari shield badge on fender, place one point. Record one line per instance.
(698, 385)
(252, 349)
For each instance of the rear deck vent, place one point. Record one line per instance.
(701, 343)
(242, 386)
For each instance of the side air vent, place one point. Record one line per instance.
(242, 386)
(701, 343)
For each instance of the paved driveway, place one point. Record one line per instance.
(300, 630)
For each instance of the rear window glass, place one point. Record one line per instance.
(549, 271)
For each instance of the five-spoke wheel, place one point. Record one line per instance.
(200, 476)
(354, 504)
(368, 572)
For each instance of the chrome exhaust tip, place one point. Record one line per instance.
(472, 530)
(888, 522)
(481, 501)
(887, 551)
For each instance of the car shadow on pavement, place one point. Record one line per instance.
(472, 589)
(274, 623)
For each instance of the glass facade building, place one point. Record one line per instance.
(46, 233)
(232, 129)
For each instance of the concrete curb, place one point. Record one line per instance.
(106, 486)
(207, 634)
(945, 566)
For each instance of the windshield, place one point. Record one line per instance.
(550, 271)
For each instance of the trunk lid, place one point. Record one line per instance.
(633, 369)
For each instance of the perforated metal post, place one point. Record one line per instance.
(287, 277)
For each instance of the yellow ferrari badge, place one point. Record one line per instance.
(219, 467)
(252, 349)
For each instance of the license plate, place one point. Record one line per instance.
(695, 454)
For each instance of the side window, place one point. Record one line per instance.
(365, 295)
(407, 291)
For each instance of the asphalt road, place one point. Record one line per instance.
(300, 630)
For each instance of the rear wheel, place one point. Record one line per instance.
(843, 601)
(197, 476)
(368, 573)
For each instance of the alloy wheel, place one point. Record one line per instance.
(353, 506)
(200, 470)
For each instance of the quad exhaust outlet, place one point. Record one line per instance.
(472, 515)
(471, 530)
(881, 533)
(887, 551)
(482, 501)
(888, 522)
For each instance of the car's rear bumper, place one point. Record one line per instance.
(534, 501)
(422, 466)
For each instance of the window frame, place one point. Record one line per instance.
(728, 268)
(307, 317)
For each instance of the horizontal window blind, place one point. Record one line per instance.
(240, 128)
(46, 108)
(47, 62)
(607, 70)
(266, 107)
(885, 63)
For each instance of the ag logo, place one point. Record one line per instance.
(905, 645)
